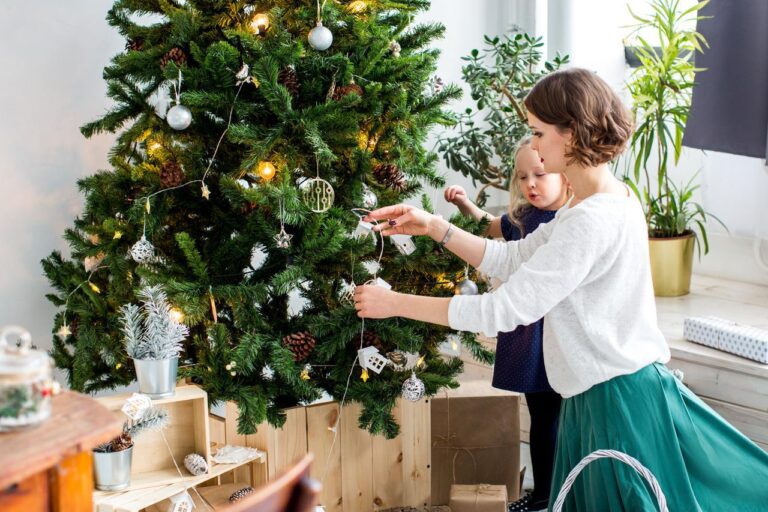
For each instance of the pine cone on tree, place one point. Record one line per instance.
(370, 339)
(301, 344)
(171, 174)
(340, 92)
(74, 326)
(288, 78)
(134, 45)
(176, 55)
(390, 176)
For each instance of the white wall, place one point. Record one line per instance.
(51, 59)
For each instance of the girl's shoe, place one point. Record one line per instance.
(526, 504)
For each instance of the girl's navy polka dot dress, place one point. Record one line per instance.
(519, 354)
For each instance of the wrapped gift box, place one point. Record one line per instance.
(478, 498)
(742, 340)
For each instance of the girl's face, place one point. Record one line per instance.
(550, 142)
(543, 190)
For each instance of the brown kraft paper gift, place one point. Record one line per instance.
(478, 498)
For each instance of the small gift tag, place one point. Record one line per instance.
(380, 282)
(135, 406)
(404, 243)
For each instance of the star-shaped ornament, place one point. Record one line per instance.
(63, 331)
(205, 192)
(283, 239)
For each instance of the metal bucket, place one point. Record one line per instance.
(157, 378)
(112, 470)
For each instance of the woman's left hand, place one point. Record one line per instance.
(373, 301)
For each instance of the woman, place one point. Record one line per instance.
(587, 272)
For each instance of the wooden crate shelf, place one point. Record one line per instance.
(187, 432)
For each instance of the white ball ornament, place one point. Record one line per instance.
(143, 251)
(179, 117)
(467, 287)
(320, 38)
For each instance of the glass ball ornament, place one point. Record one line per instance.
(143, 251)
(357, 7)
(179, 117)
(369, 198)
(317, 194)
(413, 388)
(266, 170)
(259, 23)
(320, 38)
(467, 287)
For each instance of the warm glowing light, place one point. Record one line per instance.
(260, 23)
(266, 170)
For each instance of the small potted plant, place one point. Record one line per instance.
(112, 460)
(153, 339)
(661, 100)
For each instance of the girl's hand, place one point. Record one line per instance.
(456, 194)
(401, 219)
(375, 302)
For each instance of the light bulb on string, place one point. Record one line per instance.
(266, 170)
(259, 23)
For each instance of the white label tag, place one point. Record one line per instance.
(380, 282)
(404, 243)
(135, 406)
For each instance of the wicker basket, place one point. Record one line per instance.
(611, 454)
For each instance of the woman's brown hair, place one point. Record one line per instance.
(578, 100)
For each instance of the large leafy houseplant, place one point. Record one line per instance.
(499, 77)
(661, 90)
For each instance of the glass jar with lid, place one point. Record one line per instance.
(25, 381)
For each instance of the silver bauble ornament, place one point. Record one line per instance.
(413, 388)
(320, 38)
(143, 251)
(317, 194)
(179, 117)
(466, 287)
(369, 198)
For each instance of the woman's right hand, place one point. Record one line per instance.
(402, 219)
(456, 194)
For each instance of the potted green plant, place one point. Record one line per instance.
(153, 338)
(499, 76)
(661, 100)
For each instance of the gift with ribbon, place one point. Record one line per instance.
(478, 498)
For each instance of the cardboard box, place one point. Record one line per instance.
(475, 439)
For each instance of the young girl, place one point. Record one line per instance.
(535, 196)
(588, 272)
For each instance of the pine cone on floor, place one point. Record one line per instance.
(176, 55)
(390, 176)
(171, 174)
(340, 92)
(301, 344)
(370, 339)
(134, 45)
(288, 78)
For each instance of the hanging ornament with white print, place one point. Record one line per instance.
(317, 193)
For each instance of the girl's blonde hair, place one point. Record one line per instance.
(517, 202)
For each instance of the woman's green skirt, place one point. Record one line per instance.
(701, 462)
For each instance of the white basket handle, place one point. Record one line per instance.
(611, 454)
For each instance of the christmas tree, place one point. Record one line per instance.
(242, 200)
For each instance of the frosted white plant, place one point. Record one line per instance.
(151, 332)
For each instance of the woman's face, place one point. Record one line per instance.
(550, 143)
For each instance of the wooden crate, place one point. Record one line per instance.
(187, 432)
(359, 472)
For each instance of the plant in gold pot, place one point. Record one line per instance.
(661, 100)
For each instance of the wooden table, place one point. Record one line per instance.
(49, 468)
